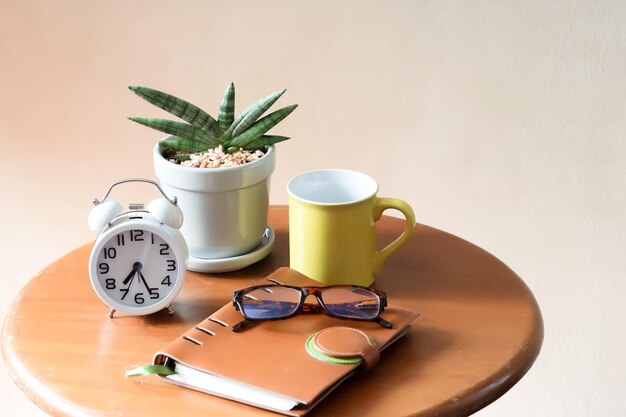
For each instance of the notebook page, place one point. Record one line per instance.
(230, 388)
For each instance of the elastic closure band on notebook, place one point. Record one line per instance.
(343, 346)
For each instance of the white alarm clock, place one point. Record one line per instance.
(139, 260)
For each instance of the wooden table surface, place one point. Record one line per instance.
(479, 331)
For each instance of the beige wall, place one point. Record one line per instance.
(500, 121)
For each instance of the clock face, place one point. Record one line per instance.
(137, 269)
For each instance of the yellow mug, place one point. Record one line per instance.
(332, 226)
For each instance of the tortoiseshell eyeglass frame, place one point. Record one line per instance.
(303, 307)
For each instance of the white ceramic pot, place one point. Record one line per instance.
(225, 209)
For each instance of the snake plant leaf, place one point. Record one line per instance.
(265, 140)
(179, 129)
(179, 108)
(201, 131)
(183, 145)
(252, 113)
(227, 108)
(261, 126)
(181, 157)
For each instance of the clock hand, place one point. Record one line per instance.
(132, 273)
(129, 277)
(144, 282)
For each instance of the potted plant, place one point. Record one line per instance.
(219, 169)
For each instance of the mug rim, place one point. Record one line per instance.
(372, 181)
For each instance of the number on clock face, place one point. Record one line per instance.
(137, 268)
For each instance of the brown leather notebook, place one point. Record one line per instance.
(270, 364)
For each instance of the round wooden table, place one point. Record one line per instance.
(479, 332)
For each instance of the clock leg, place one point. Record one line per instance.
(169, 310)
(111, 313)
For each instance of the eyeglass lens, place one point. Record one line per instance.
(353, 303)
(276, 301)
(270, 302)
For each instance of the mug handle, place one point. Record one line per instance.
(380, 205)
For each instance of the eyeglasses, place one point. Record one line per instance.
(277, 302)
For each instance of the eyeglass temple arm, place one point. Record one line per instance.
(384, 323)
(242, 325)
